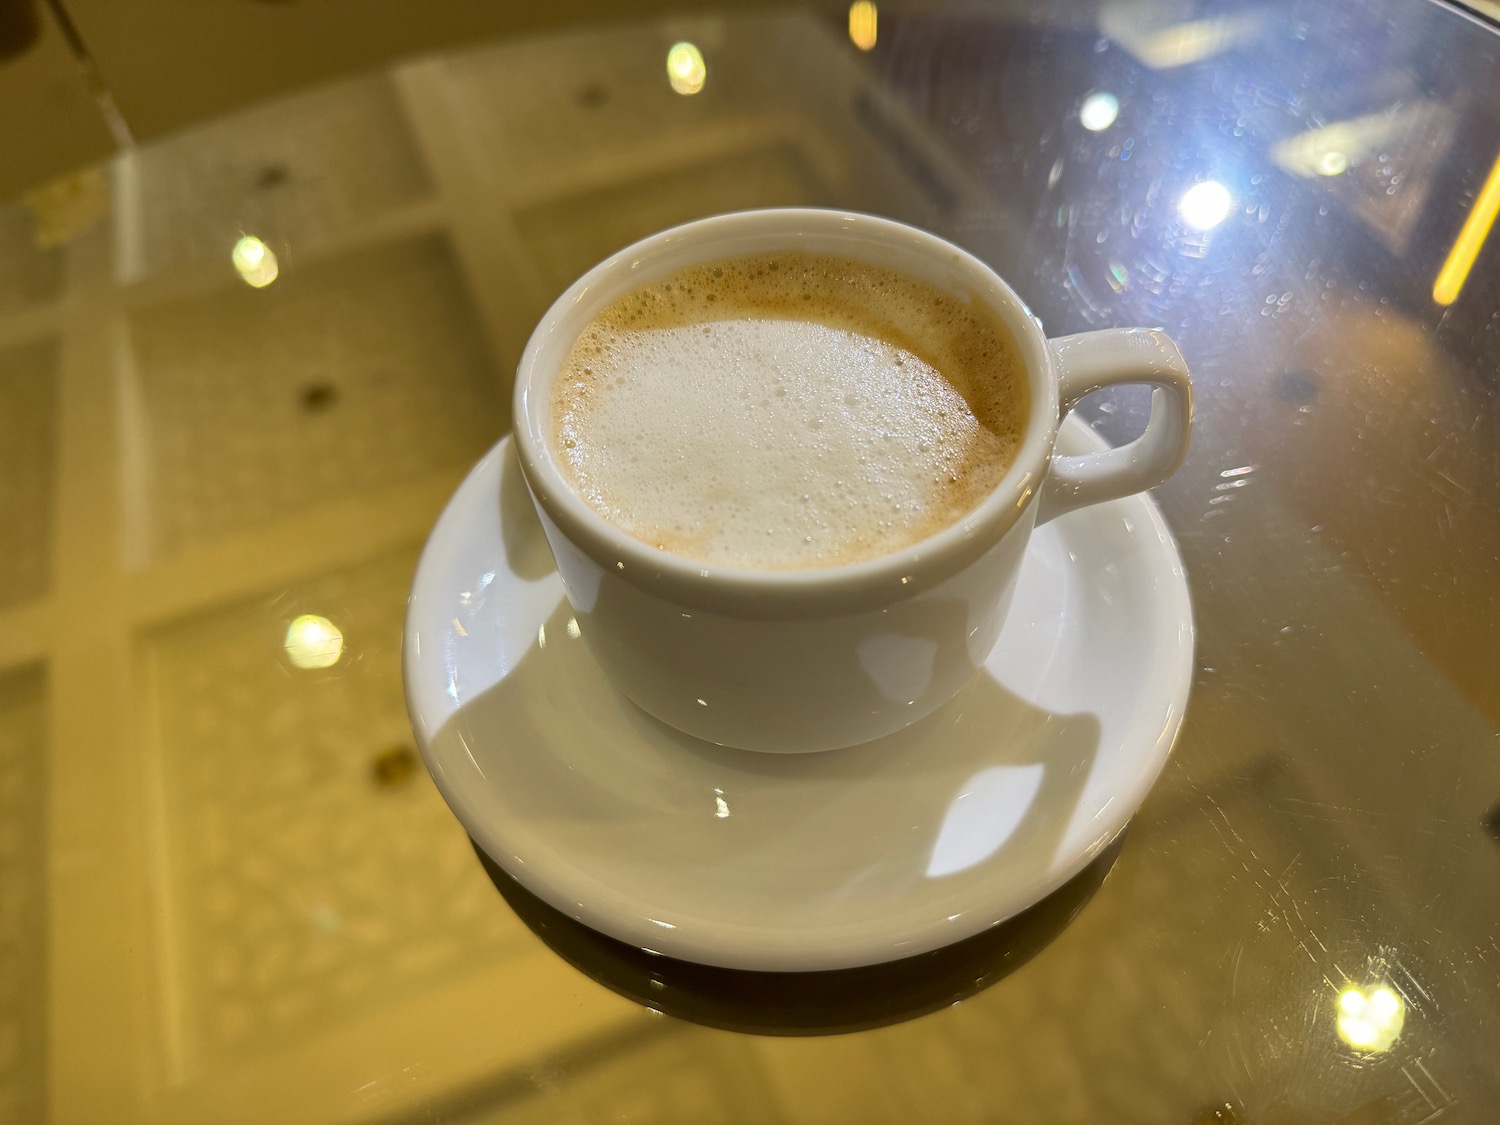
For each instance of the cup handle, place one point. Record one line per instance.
(1092, 361)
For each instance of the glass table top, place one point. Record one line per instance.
(242, 369)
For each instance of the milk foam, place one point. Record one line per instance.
(787, 411)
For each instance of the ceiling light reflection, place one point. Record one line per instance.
(1206, 205)
(1099, 111)
(863, 30)
(255, 262)
(1332, 149)
(686, 70)
(1333, 163)
(1136, 26)
(1370, 1019)
(1476, 228)
(313, 642)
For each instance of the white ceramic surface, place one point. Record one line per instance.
(830, 657)
(814, 861)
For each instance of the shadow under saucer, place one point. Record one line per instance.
(807, 1003)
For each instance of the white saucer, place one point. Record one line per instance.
(797, 862)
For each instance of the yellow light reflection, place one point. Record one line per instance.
(1334, 148)
(313, 642)
(255, 262)
(1136, 27)
(686, 70)
(863, 19)
(1370, 1019)
(1333, 163)
(1476, 228)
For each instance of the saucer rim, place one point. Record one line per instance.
(829, 947)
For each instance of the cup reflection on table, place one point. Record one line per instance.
(810, 1003)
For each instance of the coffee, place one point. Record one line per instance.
(788, 411)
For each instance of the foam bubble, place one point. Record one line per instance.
(788, 411)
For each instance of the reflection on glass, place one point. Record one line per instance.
(313, 642)
(1136, 26)
(1331, 149)
(254, 261)
(686, 70)
(1476, 228)
(1206, 205)
(1099, 111)
(1333, 163)
(1370, 1020)
(862, 24)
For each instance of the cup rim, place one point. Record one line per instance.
(817, 590)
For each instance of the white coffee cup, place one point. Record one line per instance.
(795, 661)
